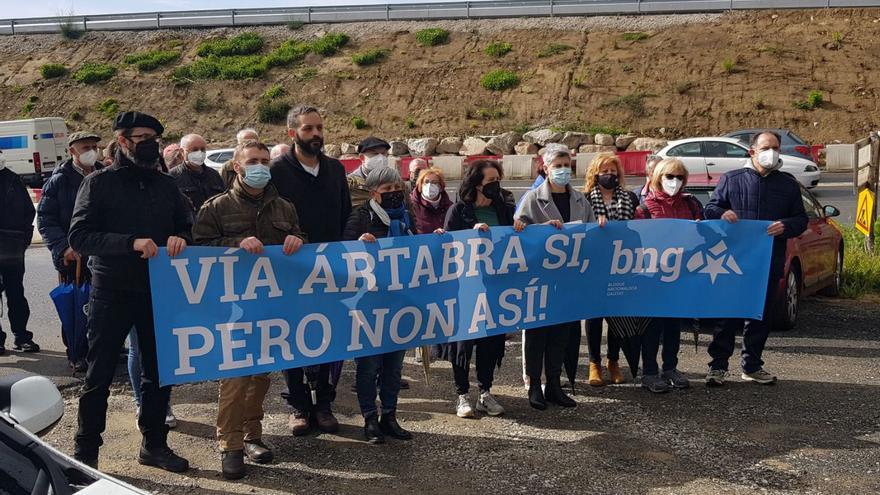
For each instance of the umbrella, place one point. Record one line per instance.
(71, 303)
(630, 331)
(426, 362)
(572, 352)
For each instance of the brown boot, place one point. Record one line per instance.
(326, 421)
(596, 375)
(614, 372)
(298, 424)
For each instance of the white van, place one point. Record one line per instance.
(34, 147)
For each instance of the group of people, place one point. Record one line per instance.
(110, 216)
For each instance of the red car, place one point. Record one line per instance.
(813, 260)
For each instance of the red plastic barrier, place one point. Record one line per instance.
(815, 150)
(633, 162)
(350, 164)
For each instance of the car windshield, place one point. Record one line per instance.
(793, 139)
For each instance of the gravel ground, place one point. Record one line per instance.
(817, 431)
(22, 44)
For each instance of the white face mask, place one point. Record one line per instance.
(769, 159)
(430, 191)
(196, 157)
(2, 162)
(88, 158)
(375, 162)
(671, 186)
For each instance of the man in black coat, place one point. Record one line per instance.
(195, 179)
(16, 230)
(316, 185)
(122, 215)
(56, 209)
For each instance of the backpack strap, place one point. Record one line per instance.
(644, 210)
(694, 205)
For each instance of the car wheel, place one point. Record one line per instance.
(833, 290)
(788, 307)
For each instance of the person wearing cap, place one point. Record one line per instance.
(315, 183)
(373, 153)
(173, 155)
(16, 230)
(122, 215)
(227, 171)
(554, 202)
(55, 211)
(196, 181)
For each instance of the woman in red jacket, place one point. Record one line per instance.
(429, 201)
(666, 199)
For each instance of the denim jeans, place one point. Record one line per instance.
(369, 369)
(667, 330)
(134, 365)
(594, 342)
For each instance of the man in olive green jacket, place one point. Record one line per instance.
(250, 215)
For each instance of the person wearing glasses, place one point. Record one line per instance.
(122, 215)
(667, 199)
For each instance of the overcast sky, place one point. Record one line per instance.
(49, 8)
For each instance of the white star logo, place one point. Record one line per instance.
(716, 262)
(714, 267)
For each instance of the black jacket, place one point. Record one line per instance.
(16, 216)
(56, 209)
(323, 203)
(198, 187)
(461, 215)
(114, 207)
(752, 196)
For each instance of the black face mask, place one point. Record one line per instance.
(391, 200)
(608, 181)
(311, 147)
(146, 153)
(492, 190)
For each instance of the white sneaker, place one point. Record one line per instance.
(464, 409)
(170, 419)
(761, 376)
(487, 404)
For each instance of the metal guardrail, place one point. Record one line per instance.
(392, 12)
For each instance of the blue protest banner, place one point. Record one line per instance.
(222, 312)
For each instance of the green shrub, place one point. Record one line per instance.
(295, 25)
(109, 107)
(836, 40)
(634, 102)
(223, 68)
(94, 72)
(410, 123)
(729, 65)
(147, 61)
(29, 105)
(432, 36)
(329, 44)
(499, 80)
(522, 128)
(487, 113)
(75, 115)
(861, 271)
(554, 49)
(50, 71)
(290, 52)
(498, 49)
(243, 44)
(271, 111)
(201, 104)
(274, 92)
(684, 87)
(305, 73)
(369, 57)
(814, 100)
(635, 36)
(69, 30)
(359, 122)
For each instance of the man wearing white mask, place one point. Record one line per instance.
(373, 153)
(54, 213)
(758, 191)
(196, 181)
(250, 216)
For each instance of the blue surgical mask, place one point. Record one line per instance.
(560, 176)
(256, 175)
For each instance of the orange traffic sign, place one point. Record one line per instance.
(865, 212)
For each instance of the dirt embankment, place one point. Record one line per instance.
(693, 75)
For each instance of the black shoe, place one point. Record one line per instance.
(557, 396)
(28, 346)
(404, 385)
(163, 458)
(81, 366)
(232, 465)
(258, 452)
(2, 350)
(536, 397)
(392, 428)
(92, 463)
(372, 430)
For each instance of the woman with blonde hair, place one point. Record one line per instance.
(666, 199)
(429, 200)
(610, 201)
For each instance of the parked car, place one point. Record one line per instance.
(717, 155)
(791, 143)
(216, 158)
(32, 405)
(813, 260)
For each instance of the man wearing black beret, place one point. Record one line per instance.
(121, 217)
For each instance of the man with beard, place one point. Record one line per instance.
(121, 217)
(316, 185)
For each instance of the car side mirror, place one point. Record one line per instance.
(831, 211)
(32, 401)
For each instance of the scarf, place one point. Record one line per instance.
(621, 208)
(398, 221)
